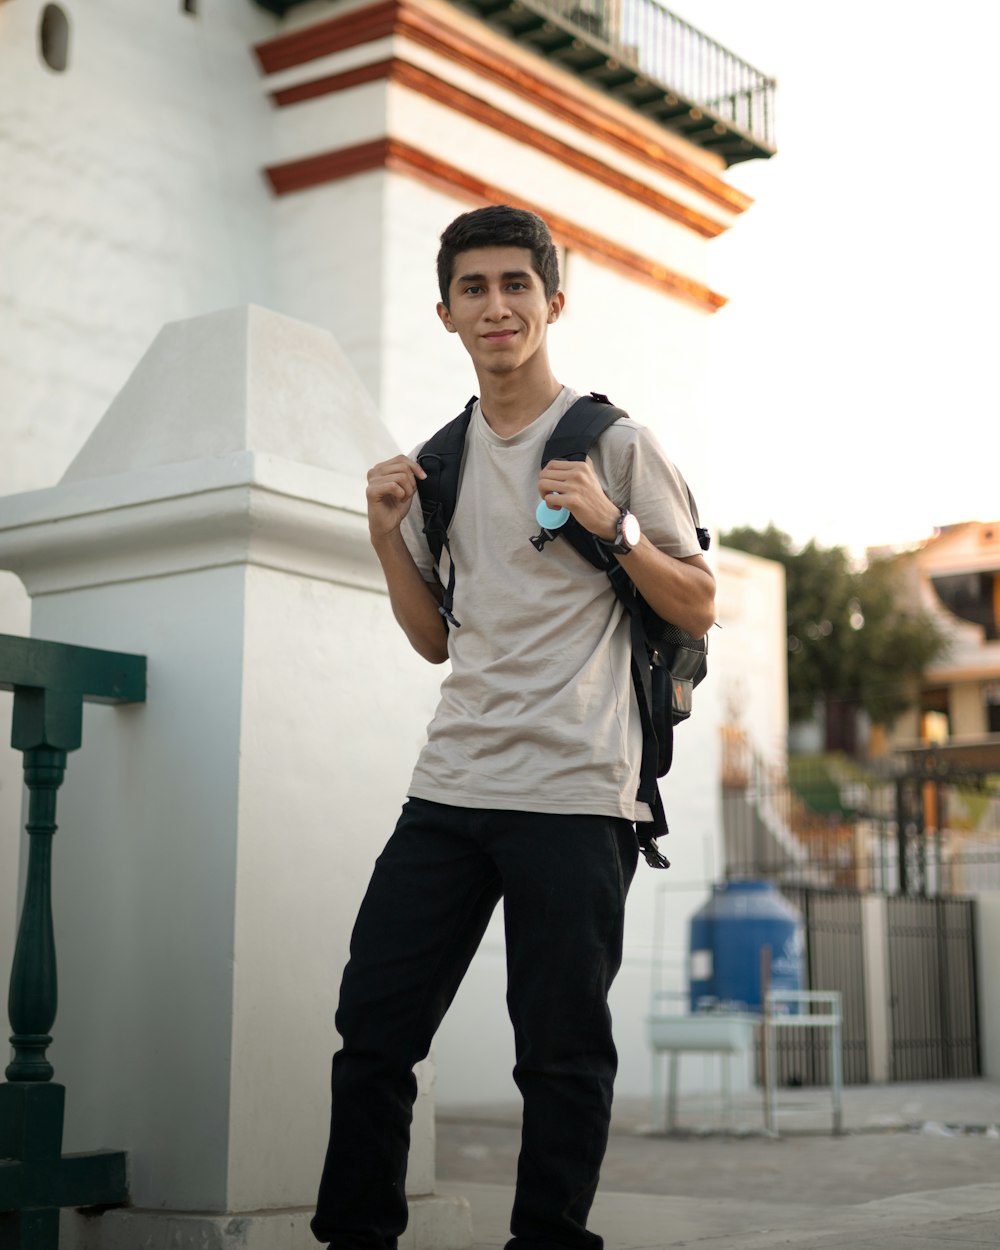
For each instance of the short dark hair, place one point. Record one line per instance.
(499, 225)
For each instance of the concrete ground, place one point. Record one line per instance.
(917, 1166)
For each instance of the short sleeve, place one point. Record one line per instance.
(639, 476)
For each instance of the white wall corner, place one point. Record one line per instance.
(987, 944)
(242, 379)
(242, 436)
(875, 940)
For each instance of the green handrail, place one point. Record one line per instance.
(51, 682)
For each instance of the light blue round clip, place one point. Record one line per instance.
(550, 518)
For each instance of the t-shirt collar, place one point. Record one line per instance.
(540, 428)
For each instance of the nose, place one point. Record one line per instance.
(496, 305)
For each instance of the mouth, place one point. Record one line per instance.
(500, 336)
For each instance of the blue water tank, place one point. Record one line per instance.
(727, 936)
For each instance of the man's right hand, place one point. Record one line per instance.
(390, 491)
(391, 487)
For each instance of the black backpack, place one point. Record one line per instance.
(667, 663)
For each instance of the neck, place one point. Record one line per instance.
(510, 402)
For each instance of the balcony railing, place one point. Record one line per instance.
(654, 62)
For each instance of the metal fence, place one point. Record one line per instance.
(828, 823)
(932, 1013)
(924, 833)
(932, 978)
(835, 960)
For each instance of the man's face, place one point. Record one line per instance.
(498, 308)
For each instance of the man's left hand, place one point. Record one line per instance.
(573, 484)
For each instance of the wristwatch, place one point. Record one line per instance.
(627, 534)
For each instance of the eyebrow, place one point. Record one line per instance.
(481, 277)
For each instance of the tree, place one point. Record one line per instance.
(856, 640)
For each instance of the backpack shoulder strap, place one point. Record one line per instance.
(704, 537)
(578, 429)
(441, 459)
(579, 426)
(572, 439)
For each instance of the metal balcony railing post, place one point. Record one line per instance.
(711, 96)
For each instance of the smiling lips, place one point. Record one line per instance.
(499, 335)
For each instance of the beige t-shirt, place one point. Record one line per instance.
(538, 713)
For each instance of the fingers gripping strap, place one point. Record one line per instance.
(578, 428)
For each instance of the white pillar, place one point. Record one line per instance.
(987, 945)
(215, 842)
(878, 1005)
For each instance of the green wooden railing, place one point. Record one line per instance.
(51, 682)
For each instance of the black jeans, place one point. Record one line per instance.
(563, 880)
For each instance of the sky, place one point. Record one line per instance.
(854, 390)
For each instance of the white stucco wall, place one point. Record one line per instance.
(144, 919)
(751, 659)
(130, 196)
(487, 153)
(337, 701)
(330, 267)
(216, 840)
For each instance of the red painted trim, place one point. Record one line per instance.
(313, 171)
(365, 25)
(405, 17)
(332, 82)
(419, 80)
(403, 158)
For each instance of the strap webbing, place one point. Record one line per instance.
(589, 417)
(441, 459)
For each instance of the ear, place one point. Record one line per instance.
(556, 304)
(446, 321)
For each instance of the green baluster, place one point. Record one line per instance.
(51, 681)
(33, 987)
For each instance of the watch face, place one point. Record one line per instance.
(630, 529)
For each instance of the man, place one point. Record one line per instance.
(526, 788)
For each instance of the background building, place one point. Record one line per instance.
(955, 575)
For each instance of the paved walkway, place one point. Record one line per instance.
(917, 1167)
